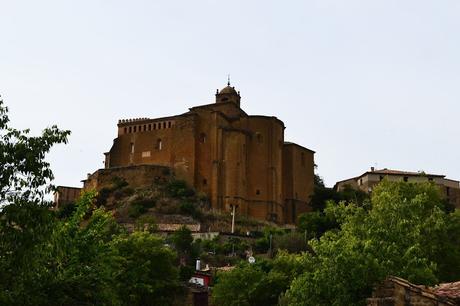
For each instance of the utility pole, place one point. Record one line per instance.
(233, 217)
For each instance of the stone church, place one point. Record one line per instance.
(220, 150)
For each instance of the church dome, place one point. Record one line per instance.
(228, 90)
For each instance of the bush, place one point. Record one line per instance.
(188, 208)
(179, 189)
(291, 242)
(135, 210)
(102, 196)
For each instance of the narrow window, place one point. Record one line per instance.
(381, 177)
(145, 127)
(202, 137)
(259, 137)
(159, 125)
(406, 179)
(132, 147)
(164, 125)
(135, 127)
(126, 130)
(154, 126)
(159, 144)
(205, 182)
(430, 179)
(130, 130)
(150, 127)
(257, 192)
(169, 124)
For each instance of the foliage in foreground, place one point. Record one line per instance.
(259, 284)
(404, 231)
(84, 261)
(81, 257)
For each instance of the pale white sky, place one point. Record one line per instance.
(362, 82)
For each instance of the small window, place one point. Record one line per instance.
(259, 137)
(132, 147)
(159, 144)
(430, 179)
(154, 126)
(135, 129)
(145, 127)
(203, 138)
(164, 125)
(257, 192)
(126, 130)
(150, 127)
(224, 99)
(169, 124)
(205, 182)
(406, 179)
(381, 178)
(130, 130)
(360, 182)
(159, 125)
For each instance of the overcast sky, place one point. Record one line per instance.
(361, 82)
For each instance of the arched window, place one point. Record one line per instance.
(130, 129)
(169, 124)
(202, 138)
(150, 126)
(164, 125)
(154, 126)
(145, 127)
(132, 147)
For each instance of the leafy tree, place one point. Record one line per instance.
(260, 284)
(182, 240)
(25, 221)
(148, 275)
(291, 242)
(25, 173)
(315, 224)
(82, 261)
(404, 233)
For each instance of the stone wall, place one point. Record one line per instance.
(138, 176)
(395, 291)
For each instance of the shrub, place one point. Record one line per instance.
(179, 189)
(190, 209)
(135, 210)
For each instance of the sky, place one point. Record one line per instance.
(361, 82)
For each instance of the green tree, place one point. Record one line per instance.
(148, 275)
(182, 240)
(25, 221)
(260, 284)
(25, 172)
(404, 234)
